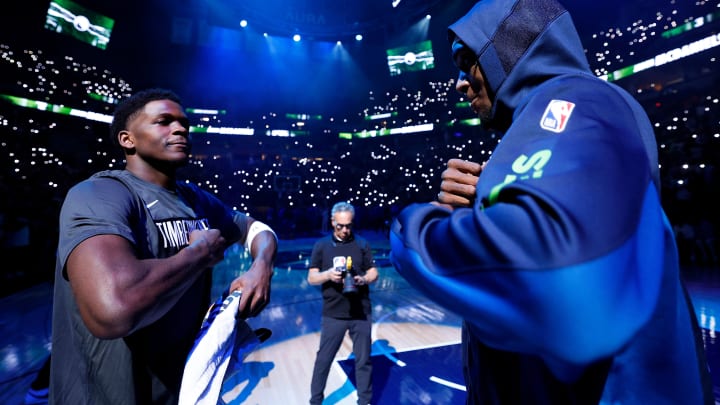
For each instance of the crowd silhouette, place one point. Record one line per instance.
(289, 182)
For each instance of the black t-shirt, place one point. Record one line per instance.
(335, 303)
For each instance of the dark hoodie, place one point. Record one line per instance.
(565, 269)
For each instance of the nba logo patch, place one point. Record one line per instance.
(556, 116)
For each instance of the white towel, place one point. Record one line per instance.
(220, 336)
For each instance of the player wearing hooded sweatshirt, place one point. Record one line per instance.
(564, 266)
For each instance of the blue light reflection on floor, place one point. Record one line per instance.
(423, 376)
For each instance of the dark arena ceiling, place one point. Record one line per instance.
(200, 49)
(324, 19)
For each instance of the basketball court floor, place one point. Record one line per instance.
(416, 351)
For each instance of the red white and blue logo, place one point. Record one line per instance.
(556, 116)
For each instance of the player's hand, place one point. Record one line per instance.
(255, 287)
(212, 241)
(459, 183)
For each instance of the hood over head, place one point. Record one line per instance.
(520, 44)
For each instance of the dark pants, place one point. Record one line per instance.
(331, 336)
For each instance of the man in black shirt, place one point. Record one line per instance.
(344, 308)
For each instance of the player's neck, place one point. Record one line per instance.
(164, 177)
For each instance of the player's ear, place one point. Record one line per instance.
(125, 139)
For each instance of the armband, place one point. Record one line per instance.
(255, 229)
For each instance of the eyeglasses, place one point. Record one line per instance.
(465, 60)
(341, 226)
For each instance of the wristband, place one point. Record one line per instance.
(255, 229)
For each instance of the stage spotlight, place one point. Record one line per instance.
(358, 37)
(296, 38)
(243, 23)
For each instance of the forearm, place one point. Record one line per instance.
(163, 282)
(264, 249)
(449, 260)
(371, 275)
(118, 293)
(255, 283)
(317, 277)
